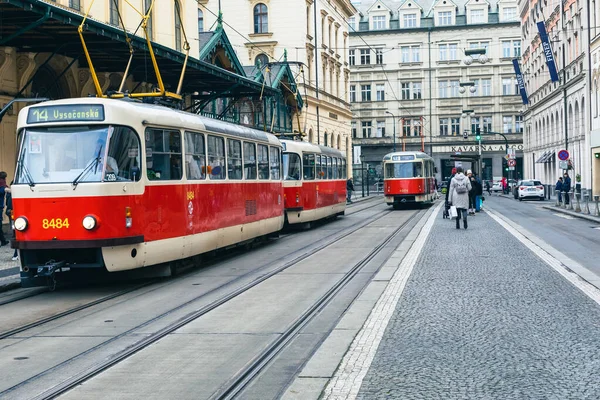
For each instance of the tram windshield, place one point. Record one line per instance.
(292, 167)
(404, 170)
(78, 154)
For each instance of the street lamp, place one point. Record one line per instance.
(463, 87)
(362, 168)
(478, 53)
(394, 119)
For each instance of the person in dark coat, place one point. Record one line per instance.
(449, 181)
(9, 212)
(566, 186)
(558, 188)
(4, 189)
(349, 190)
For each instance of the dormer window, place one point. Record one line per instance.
(444, 18)
(409, 20)
(379, 22)
(477, 16)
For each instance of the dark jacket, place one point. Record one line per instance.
(9, 205)
(448, 187)
(3, 187)
(559, 186)
(349, 185)
(566, 186)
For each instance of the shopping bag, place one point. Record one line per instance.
(453, 212)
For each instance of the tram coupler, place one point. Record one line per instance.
(49, 268)
(42, 275)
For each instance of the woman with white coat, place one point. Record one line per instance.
(459, 195)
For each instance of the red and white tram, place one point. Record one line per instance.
(409, 177)
(119, 184)
(314, 180)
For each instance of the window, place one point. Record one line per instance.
(163, 154)
(195, 156)
(365, 56)
(486, 87)
(114, 12)
(405, 90)
(479, 45)
(507, 124)
(410, 20)
(177, 26)
(475, 123)
(416, 127)
(75, 4)
(261, 60)
(509, 14)
(380, 129)
(506, 45)
(487, 124)
(291, 167)
(405, 54)
(263, 161)
(378, 56)
(352, 23)
(454, 85)
(249, 160)
(444, 18)
(455, 126)
(379, 22)
(443, 86)
(365, 92)
(410, 54)
(353, 125)
(234, 159)
(216, 158)
(511, 48)
(448, 51)
(416, 90)
(444, 126)
(518, 124)
(416, 53)
(200, 21)
(340, 168)
(321, 165)
(516, 48)
(352, 93)
(275, 163)
(366, 129)
(507, 86)
(477, 16)
(309, 166)
(351, 57)
(329, 168)
(380, 90)
(260, 19)
(404, 170)
(406, 124)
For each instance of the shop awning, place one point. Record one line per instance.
(542, 157)
(550, 157)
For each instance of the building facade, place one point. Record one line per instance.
(311, 34)
(558, 117)
(594, 95)
(408, 74)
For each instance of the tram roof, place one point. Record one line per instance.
(417, 155)
(302, 146)
(152, 114)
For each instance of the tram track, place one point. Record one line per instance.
(236, 385)
(51, 318)
(297, 256)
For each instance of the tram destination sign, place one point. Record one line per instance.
(66, 113)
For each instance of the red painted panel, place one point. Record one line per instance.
(404, 186)
(316, 194)
(161, 212)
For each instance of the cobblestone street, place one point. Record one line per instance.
(483, 317)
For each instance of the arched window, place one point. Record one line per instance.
(325, 141)
(261, 60)
(310, 136)
(260, 18)
(177, 26)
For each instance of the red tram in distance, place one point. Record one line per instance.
(119, 184)
(408, 178)
(314, 180)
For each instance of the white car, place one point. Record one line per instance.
(529, 188)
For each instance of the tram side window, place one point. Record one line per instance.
(216, 158)
(344, 168)
(195, 156)
(318, 167)
(309, 166)
(340, 168)
(163, 154)
(331, 167)
(335, 167)
(291, 166)
(249, 160)
(234, 159)
(418, 169)
(124, 150)
(275, 163)
(263, 161)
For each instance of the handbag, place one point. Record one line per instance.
(453, 212)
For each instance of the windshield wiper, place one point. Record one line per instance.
(94, 163)
(26, 173)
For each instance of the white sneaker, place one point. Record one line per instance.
(15, 258)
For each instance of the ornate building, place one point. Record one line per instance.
(409, 74)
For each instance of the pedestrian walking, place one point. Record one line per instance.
(558, 188)
(472, 192)
(448, 185)
(566, 186)
(478, 193)
(9, 213)
(459, 189)
(488, 188)
(4, 189)
(349, 190)
(504, 182)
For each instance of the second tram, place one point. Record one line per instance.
(408, 178)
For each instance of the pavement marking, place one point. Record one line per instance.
(563, 216)
(347, 380)
(571, 270)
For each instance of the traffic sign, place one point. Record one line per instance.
(563, 155)
(563, 165)
(511, 168)
(512, 162)
(507, 157)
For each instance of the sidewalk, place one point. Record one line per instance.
(469, 320)
(9, 270)
(550, 205)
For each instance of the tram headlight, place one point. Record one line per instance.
(89, 222)
(21, 224)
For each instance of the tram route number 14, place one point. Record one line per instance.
(55, 223)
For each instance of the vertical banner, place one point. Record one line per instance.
(520, 82)
(548, 51)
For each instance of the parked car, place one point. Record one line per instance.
(497, 186)
(529, 188)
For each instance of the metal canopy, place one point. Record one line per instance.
(36, 26)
